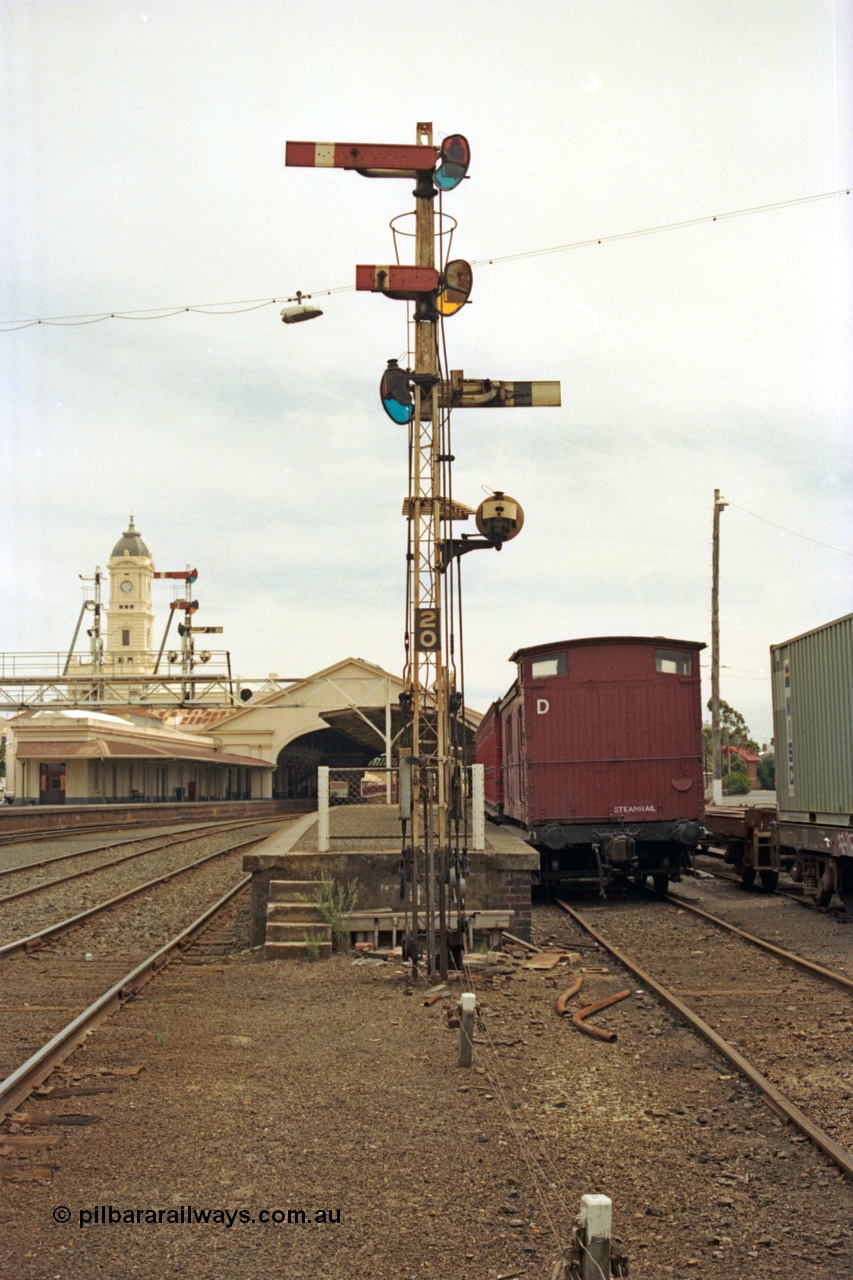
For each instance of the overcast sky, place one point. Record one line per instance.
(143, 167)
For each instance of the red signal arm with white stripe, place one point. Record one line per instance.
(397, 281)
(356, 155)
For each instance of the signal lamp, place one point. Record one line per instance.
(500, 517)
(454, 287)
(395, 392)
(455, 156)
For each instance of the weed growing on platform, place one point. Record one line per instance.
(313, 942)
(336, 903)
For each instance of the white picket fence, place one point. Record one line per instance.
(380, 786)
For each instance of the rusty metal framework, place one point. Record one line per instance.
(426, 675)
(38, 682)
(432, 779)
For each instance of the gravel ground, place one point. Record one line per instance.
(796, 1029)
(23, 852)
(43, 989)
(331, 1087)
(823, 936)
(27, 915)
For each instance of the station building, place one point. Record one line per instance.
(345, 715)
(92, 757)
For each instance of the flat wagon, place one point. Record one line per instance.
(596, 750)
(748, 835)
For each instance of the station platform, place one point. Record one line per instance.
(365, 847)
(25, 819)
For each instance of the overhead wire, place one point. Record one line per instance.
(234, 307)
(805, 537)
(662, 227)
(253, 304)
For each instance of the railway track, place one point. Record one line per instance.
(783, 1023)
(94, 871)
(22, 835)
(50, 932)
(34, 1070)
(38, 824)
(86, 965)
(24, 864)
(785, 887)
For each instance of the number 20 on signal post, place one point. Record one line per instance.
(427, 630)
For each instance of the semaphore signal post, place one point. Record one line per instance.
(432, 759)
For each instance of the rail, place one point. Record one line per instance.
(20, 1084)
(799, 962)
(37, 939)
(185, 837)
(780, 1104)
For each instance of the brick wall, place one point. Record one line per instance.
(515, 895)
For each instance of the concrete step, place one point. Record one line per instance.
(294, 951)
(293, 890)
(294, 912)
(278, 931)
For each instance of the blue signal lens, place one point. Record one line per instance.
(396, 395)
(398, 412)
(449, 176)
(455, 158)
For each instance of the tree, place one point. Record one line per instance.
(736, 784)
(767, 771)
(734, 732)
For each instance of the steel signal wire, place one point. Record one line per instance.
(793, 532)
(254, 304)
(544, 1174)
(661, 228)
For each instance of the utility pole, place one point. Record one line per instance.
(432, 760)
(717, 797)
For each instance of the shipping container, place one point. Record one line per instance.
(813, 725)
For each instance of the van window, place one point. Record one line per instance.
(552, 664)
(673, 662)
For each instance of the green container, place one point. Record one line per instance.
(813, 724)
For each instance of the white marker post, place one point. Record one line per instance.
(466, 1031)
(323, 808)
(478, 808)
(595, 1217)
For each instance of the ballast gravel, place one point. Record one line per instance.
(56, 902)
(247, 1088)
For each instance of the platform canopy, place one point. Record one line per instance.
(118, 749)
(366, 726)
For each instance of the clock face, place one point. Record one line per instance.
(126, 586)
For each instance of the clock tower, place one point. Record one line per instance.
(130, 617)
